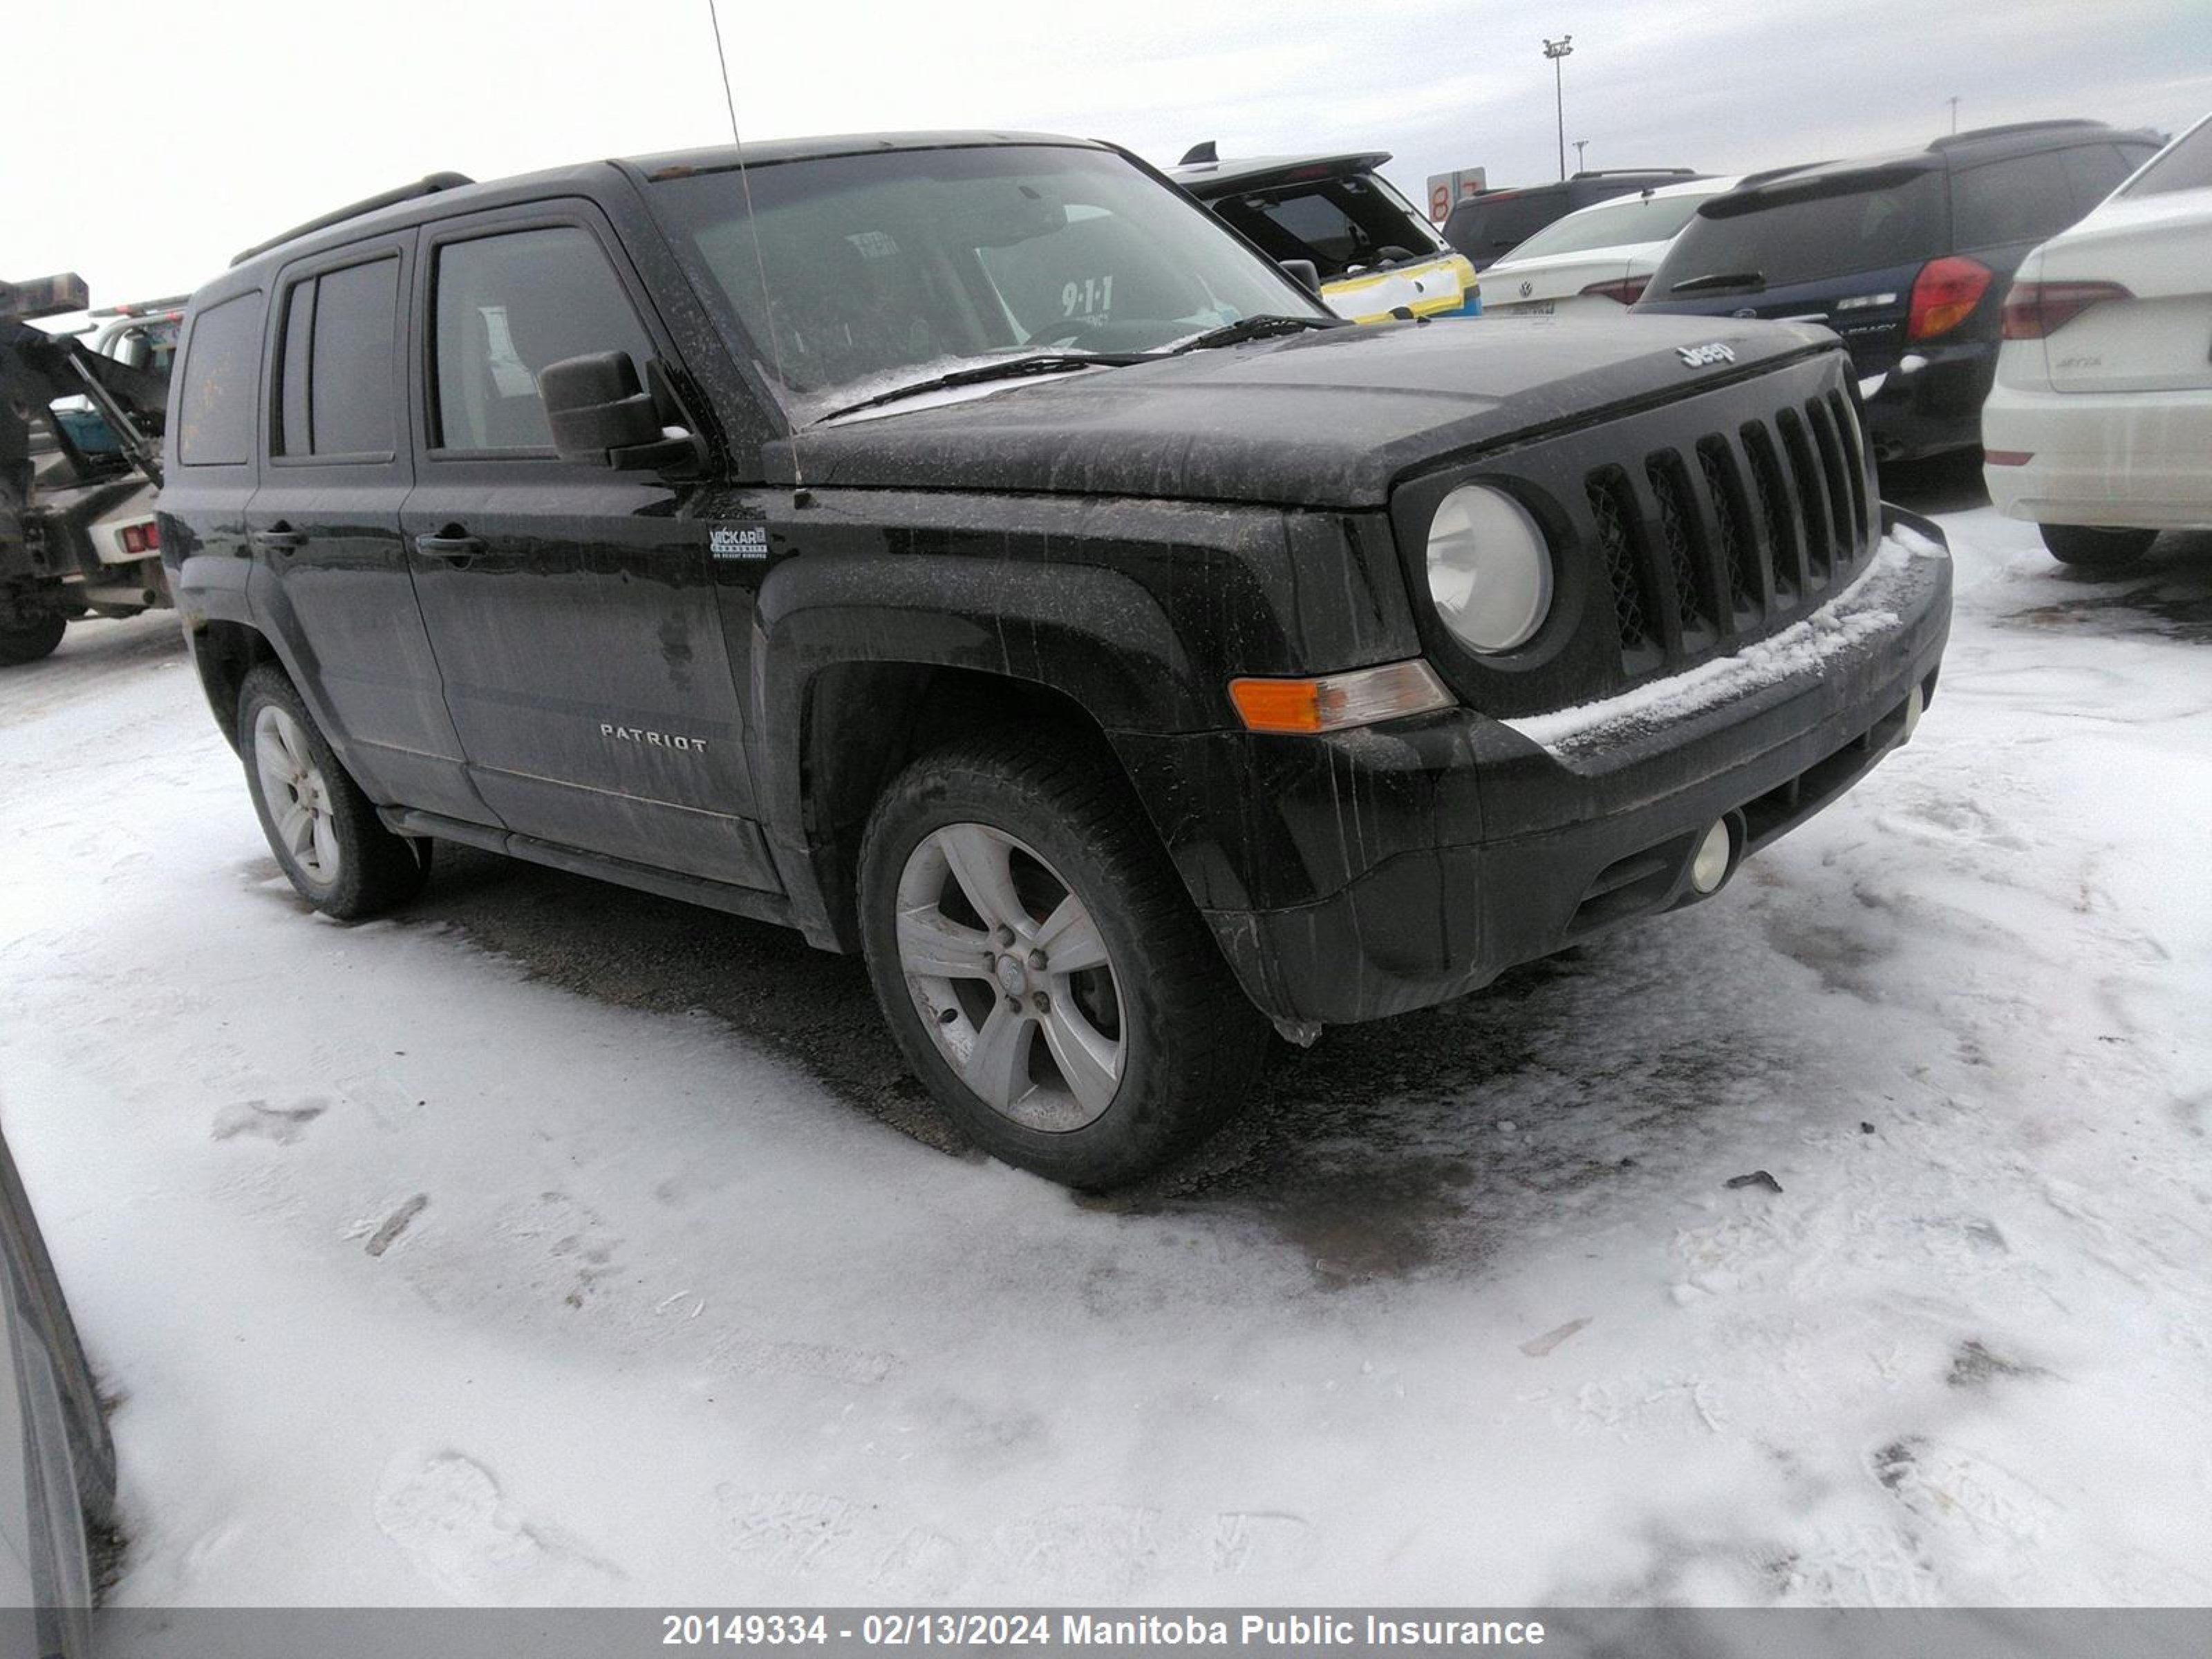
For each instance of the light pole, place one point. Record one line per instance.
(1581, 144)
(1556, 50)
(1954, 115)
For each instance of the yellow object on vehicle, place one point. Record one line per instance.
(1435, 288)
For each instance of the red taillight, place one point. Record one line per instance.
(2034, 310)
(1626, 290)
(141, 538)
(1944, 295)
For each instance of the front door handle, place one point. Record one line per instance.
(279, 538)
(451, 542)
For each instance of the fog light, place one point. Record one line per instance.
(1913, 706)
(1710, 867)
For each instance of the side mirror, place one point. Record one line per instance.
(602, 416)
(1304, 273)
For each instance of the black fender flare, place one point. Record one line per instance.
(1092, 635)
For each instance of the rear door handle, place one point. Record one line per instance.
(281, 539)
(455, 545)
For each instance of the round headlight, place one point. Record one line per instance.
(1490, 568)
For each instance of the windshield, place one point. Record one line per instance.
(874, 271)
(1885, 221)
(1619, 223)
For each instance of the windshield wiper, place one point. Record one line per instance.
(1012, 368)
(1721, 279)
(1253, 328)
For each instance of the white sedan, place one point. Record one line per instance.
(1597, 258)
(2099, 426)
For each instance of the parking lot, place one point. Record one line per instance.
(552, 1243)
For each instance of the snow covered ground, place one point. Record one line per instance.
(500, 1253)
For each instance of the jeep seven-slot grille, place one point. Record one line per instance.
(1720, 541)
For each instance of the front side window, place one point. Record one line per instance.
(855, 274)
(335, 374)
(216, 404)
(507, 306)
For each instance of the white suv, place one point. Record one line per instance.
(2099, 426)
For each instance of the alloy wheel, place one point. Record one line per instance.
(1011, 977)
(297, 792)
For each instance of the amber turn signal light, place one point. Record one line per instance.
(1336, 701)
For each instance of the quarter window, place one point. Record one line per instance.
(336, 378)
(216, 404)
(506, 308)
(2025, 199)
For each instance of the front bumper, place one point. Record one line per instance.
(2116, 460)
(1476, 844)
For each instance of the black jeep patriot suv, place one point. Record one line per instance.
(966, 549)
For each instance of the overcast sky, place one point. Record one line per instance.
(227, 120)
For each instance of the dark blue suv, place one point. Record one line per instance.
(1907, 255)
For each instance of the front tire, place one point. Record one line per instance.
(324, 831)
(27, 641)
(1042, 967)
(2089, 549)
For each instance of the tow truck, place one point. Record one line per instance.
(81, 431)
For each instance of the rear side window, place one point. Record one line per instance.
(216, 404)
(507, 306)
(2187, 164)
(2023, 199)
(340, 332)
(1831, 232)
(2095, 170)
(1491, 227)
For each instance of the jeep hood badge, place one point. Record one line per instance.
(1697, 357)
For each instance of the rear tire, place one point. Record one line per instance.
(1081, 1023)
(27, 641)
(322, 829)
(2089, 549)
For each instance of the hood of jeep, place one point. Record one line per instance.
(1329, 419)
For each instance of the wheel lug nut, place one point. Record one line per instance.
(1013, 1005)
(1042, 1003)
(1036, 959)
(1006, 934)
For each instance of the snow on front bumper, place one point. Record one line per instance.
(1484, 843)
(1865, 613)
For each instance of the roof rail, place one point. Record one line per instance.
(142, 309)
(429, 185)
(1611, 172)
(1977, 134)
